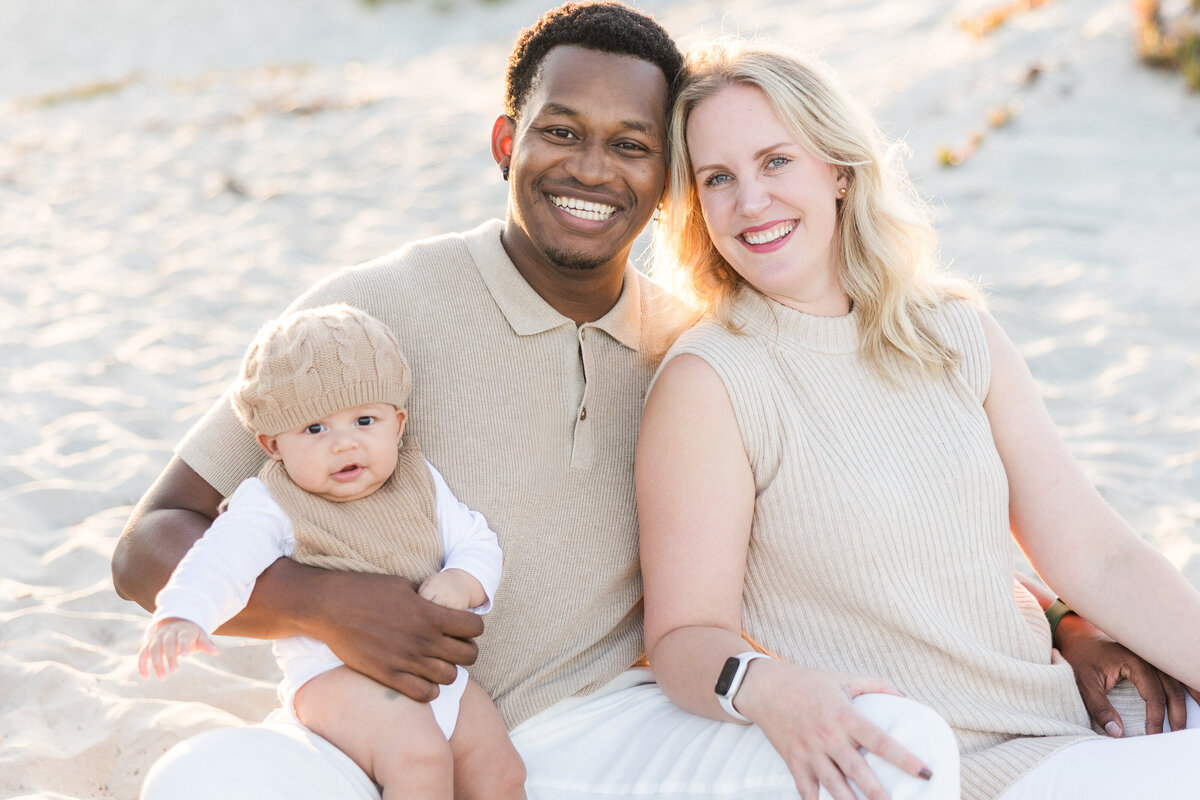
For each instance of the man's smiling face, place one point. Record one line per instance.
(588, 160)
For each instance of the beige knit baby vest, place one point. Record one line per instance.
(393, 531)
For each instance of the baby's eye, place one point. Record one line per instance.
(365, 421)
(315, 428)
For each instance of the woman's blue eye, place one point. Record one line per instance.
(714, 180)
(778, 161)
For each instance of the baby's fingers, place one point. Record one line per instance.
(152, 656)
(205, 644)
(143, 661)
(171, 650)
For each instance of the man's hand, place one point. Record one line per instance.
(379, 626)
(1099, 663)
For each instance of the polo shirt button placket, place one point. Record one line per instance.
(581, 455)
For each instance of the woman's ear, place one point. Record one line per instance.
(270, 445)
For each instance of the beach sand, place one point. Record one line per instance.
(173, 173)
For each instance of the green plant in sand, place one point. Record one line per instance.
(1172, 44)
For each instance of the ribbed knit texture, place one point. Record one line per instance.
(501, 382)
(880, 542)
(311, 363)
(393, 530)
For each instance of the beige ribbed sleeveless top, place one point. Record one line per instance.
(394, 530)
(880, 542)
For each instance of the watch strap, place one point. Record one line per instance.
(1055, 612)
(730, 680)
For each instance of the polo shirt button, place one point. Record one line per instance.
(583, 413)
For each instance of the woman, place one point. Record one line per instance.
(869, 438)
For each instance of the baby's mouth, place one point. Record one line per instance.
(348, 472)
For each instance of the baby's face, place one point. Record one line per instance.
(343, 456)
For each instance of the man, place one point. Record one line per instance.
(531, 342)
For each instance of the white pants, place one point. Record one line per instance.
(626, 740)
(1165, 765)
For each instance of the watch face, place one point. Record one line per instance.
(726, 678)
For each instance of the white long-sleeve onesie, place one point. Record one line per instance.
(214, 580)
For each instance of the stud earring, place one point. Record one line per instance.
(504, 173)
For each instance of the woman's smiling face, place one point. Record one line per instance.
(769, 205)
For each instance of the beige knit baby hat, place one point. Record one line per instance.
(311, 363)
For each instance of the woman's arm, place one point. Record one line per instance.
(1079, 545)
(695, 504)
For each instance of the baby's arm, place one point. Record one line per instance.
(470, 548)
(169, 640)
(214, 579)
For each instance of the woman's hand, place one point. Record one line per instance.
(1100, 662)
(807, 716)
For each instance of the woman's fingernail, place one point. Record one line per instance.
(1113, 729)
(925, 773)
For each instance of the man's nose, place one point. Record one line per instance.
(591, 164)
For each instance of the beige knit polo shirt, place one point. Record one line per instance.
(533, 422)
(880, 541)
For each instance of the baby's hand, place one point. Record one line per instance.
(453, 588)
(167, 642)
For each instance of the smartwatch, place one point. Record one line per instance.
(730, 680)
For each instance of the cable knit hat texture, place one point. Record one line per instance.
(314, 362)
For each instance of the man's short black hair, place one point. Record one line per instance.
(603, 25)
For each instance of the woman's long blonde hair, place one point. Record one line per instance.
(887, 249)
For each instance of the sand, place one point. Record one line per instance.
(172, 173)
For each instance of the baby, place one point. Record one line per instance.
(324, 390)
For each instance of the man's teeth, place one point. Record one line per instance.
(769, 235)
(584, 209)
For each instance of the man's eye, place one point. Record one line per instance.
(561, 133)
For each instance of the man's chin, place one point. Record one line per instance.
(576, 260)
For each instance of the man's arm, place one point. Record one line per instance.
(1099, 663)
(375, 623)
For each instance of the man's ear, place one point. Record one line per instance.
(502, 140)
(270, 446)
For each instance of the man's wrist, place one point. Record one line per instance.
(306, 590)
(1055, 613)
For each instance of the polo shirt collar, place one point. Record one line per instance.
(525, 309)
